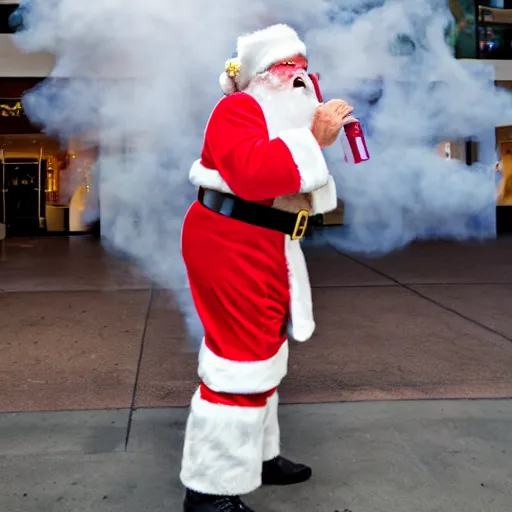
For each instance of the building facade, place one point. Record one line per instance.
(482, 32)
(45, 183)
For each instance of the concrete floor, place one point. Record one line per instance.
(408, 456)
(400, 402)
(80, 330)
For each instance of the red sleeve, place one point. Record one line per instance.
(254, 167)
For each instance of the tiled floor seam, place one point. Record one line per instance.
(461, 283)
(77, 290)
(283, 404)
(60, 411)
(137, 374)
(457, 313)
(395, 284)
(355, 401)
(410, 288)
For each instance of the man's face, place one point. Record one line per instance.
(286, 94)
(289, 73)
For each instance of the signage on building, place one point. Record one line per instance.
(11, 108)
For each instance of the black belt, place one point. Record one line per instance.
(293, 224)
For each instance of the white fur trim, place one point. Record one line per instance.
(308, 157)
(227, 376)
(201, 176)
(301, 302)
(223, 448)
(263, 48)
(272, 436)
(227, 84)
(325, 199)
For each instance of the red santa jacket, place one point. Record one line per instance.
(238, 157)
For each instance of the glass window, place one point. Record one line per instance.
(481, 29)
(462, 32)
(9, 21)
(495, 42)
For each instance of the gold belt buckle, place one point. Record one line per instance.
(300, 225)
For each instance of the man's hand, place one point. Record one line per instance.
(329, 119)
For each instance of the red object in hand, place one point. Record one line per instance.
(315, 77)
(352, 136)
(354, 143)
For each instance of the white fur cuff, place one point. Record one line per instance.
(308, 157)
(325, 199)
(201, 176)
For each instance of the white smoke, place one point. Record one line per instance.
(144, 78)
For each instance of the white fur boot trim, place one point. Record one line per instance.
(223, 448)
(272, 436)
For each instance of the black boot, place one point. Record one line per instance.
(196, 502)
(281, 471)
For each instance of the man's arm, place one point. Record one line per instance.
(254, 167)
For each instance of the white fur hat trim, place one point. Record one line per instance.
(263, 48)
(227, 84)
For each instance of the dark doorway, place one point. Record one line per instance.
(504, 220)
(24, 196)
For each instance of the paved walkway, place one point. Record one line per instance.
(83, 333)
(410, 456)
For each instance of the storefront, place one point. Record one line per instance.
(504, 179)
(482, 29)
(44, 185)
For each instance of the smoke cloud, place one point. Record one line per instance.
(143, 78)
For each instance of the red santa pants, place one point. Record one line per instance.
(239, 281)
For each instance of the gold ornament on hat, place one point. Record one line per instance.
(233, 67)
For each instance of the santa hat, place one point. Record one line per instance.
(257, 52)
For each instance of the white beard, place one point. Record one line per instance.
(285, 110)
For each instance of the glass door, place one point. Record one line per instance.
(3, 185)
(23, 190)
(3, 227)
(504, 193)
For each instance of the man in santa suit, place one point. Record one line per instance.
(261, 174)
